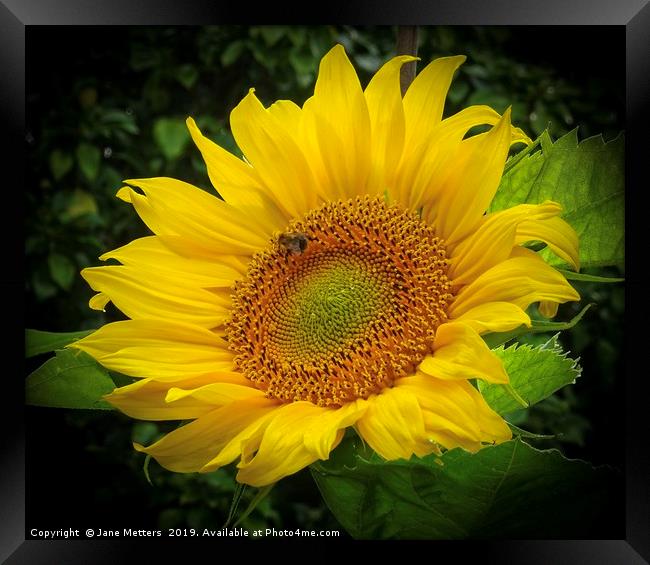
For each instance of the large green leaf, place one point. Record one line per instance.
(535, 373)
(504, 491)
(37, 341)
(72, 379)
(587, 179)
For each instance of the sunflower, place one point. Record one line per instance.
(344, 279)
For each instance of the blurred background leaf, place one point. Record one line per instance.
(171, 135)
(88, 158)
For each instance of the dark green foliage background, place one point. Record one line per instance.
(105, 104)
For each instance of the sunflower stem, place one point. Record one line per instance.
(145, 468)
(407, 44)
(262, 493)
(236, 498)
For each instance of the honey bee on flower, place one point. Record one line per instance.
(294, 242)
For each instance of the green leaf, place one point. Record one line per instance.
(297, 36)
(535, 373)
(272, 34)
(122, 380)
(231, 53)
(37, 341)
(72, 379)
(515, 159)
(89, 158)
(504, 491)
(42, 286)
(301, 62)
(368, 62)
(572, 276)
(62, 270)
(187, 75)
(120, 119)
(81, 203)
(171, 136)
(538, 326)
(458, 91)
(60, 163)
(587, 179)
(493, 99)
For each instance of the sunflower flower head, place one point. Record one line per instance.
(343, 279)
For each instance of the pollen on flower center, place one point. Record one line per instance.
(347, 314)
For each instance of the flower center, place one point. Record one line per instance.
(341, 305)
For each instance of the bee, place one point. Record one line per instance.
(294, 242)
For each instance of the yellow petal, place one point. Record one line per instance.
(150, 254)
(423, 105)
(493, 240)
(195, 242)
(494, 317)
(132, 291)
(425, 99)
(244, 444)
(473, 178)
(297, 435)
(213, 394)
(424, 168)
(188, 448)
(288, 114)
(275, 154)
(238, 183)
(173, 207)
(455, 127)
(447, 410)
(460, 353)
(227, 173)
(548, 309)
(99, 301)
(158, 349)
(560, 237)
(338, 115)
(393, 426)
(301, 125)
(146, 399)
(144, 209)
(523, 279)
(454, 412)
(386, 112)
(321, 433)
(320, 141)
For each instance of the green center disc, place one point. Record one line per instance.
(326, 310)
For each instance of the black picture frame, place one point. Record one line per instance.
(15, 15)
